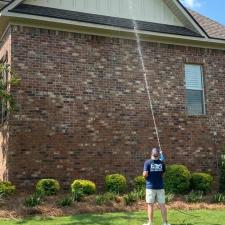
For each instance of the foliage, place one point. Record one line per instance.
(86, 186)
(33, 200)
(6, 188)
(140, 193)
(222, 172)
(77, 195)
(177, 179)
(7, 100)
(201, 182)
(139, 182)
(131, 198)
(65, 202)
(115, 183)
(105, 198)
(169, 197)
(135, 195)
(218, 198)
(47, 187)
(194, 196)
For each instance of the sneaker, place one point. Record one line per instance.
(148, 223)
(166, 224)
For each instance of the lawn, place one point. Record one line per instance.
(200, 217)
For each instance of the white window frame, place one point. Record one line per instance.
(203, 89)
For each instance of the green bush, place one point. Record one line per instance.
(78, 195)
(222, 173)
(218, 198)
(169, 197)
(86, 186)
(33, 200)
(139, 183)
(116, 183)
(47, 187)
(6, 189)
(194, 196)
(177, 179)
(65, 202)
(131, 198)
(201, 182)
(105, 198)
(140, 193)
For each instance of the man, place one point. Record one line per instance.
(153, 173)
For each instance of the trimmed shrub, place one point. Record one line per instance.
(201, 182)
(6, 189)
(194, 196)
(139, 182)
(85, 186)
(47, 187)
(115, 183)
(177, 179)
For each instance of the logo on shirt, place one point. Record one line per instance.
(156, 167)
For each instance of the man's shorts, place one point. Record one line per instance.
(155, 195)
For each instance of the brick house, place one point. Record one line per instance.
(83, 107)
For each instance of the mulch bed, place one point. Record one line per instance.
(13, 207)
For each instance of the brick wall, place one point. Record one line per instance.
(84, 109)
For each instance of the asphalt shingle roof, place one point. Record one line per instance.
(212, 28)
(103, 20)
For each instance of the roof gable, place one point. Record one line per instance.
(173, 17)
(103, 20)
(155, 11)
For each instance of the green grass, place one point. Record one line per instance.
(202, 217)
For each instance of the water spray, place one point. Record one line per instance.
(147, 85)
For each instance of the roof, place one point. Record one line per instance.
(4, 2)
(103, 20)
(211, 27)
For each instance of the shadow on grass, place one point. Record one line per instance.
(31, 219)
(104, 219)
(86, 219)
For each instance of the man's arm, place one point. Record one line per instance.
(145, 174)
(146, 169)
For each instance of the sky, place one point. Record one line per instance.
(214, 9)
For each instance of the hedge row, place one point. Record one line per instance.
(178, 179)
(115, 183)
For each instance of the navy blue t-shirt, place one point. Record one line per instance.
(155, 169)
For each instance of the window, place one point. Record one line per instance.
(194, 83)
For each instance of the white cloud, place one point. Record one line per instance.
(192, 3)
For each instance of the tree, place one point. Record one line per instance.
(8, 79)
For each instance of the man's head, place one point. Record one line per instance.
(155, 153)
